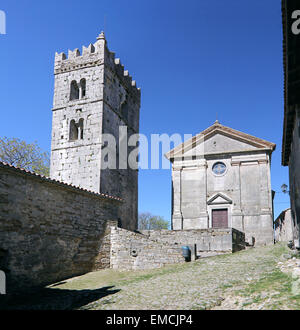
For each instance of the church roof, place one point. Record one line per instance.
(227, 131)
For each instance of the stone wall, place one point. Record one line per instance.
(131, 250)
(156, 248)
(284, 227)
(212, 240)
(50, 231)
(103, 256)
(294, 177)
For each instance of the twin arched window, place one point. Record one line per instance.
(78, 90)
(76, 130)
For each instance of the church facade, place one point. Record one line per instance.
(221, 179)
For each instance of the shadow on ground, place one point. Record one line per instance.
(54, 299)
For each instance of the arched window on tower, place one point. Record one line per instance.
(76, 130)
(83, 87)
(74, 93)
(73, 131)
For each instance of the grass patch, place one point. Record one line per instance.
(275, 282)
(226, 286)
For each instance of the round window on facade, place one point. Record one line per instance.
(219, 168)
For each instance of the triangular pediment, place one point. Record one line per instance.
(219, 199)
(219, 139)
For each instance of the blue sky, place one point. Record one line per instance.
(192, 59)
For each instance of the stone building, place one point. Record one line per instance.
(284, 227)
(94, 96)
(221, 178)
(291, 123)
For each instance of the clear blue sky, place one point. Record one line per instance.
(191, 58)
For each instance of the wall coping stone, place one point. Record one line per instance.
(41, 178)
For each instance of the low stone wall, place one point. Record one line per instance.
(206, 240)
(50, 231)
(156, 248)
(131, 250)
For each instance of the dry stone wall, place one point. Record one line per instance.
(156, 248)
(285, 228)
(50, 231)
(206, 240)
(132, 250)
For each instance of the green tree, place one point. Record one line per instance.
(28, 156)
(148, 221)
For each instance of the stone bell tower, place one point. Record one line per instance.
(93, 95)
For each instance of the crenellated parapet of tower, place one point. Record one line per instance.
(96, 54)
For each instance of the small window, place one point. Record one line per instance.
(74, 94)
(73, 131)
(76, 130)
(219, 168)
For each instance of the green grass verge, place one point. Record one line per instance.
(275, 285)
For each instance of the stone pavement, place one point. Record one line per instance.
(243, 280)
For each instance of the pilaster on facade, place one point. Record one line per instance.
(177, 217)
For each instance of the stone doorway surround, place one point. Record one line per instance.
(219, 201)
